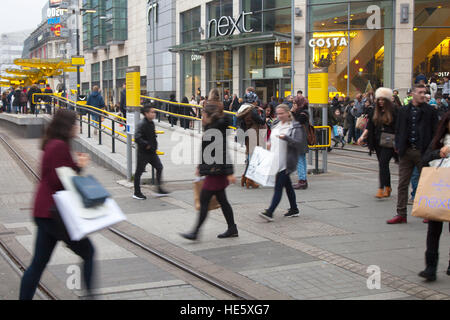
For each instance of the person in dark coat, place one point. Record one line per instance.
(48, 99)
(147, 146)
(415, 128)
(50, 229)
(382, 119)
(438, 149)
(123, 101)
(33, 90)
(95, 99)
(173, 108)
(218, 175)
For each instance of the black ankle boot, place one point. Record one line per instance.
(448, 269)
(190, 236)
(431, 261)
(230, 233)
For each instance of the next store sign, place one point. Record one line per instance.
(226, 25)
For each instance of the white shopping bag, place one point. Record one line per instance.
(262, 168)
(441, 163)
(81, 221)
(78, 227)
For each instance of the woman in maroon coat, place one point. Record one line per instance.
(56, 147)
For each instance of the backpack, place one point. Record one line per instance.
(23, 98)
(311, 135)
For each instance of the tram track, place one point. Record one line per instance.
(19, 265)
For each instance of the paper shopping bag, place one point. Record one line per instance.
(432, 200)
(198, 185)
(262, 168)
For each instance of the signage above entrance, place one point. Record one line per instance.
(328, 42)
(226, 25)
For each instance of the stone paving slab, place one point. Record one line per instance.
(255, 256)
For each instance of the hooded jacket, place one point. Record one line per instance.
(96, 100)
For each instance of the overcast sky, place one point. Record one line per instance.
(18, 15)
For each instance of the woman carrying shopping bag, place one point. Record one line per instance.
(380, 134)
(50, 229)
(219, 173)
(439, 149)
(287, 141)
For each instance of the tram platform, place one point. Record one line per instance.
(26, 126)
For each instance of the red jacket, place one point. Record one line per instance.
(56, 154)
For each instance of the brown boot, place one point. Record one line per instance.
(387, 192)
(380, 194)
(243, 180)
(297, 185)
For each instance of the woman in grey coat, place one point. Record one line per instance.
(288, 141)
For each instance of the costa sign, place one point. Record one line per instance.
(328, 42)
(226, 25)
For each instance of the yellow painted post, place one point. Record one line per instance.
(133, 95)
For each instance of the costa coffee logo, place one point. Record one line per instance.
(327, 42)
(226, 25)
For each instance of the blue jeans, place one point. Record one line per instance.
(414, 182)
(283, 180)
(302, 167)
(48, 234)
(234, 121)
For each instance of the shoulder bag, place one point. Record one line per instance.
(387, 140)
(91, 191)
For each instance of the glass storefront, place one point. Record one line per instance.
(354, 40)
(191, 63)
(431, 38)
(220, 68)
(267, 67)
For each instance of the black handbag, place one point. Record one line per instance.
(387, 140)
(91, 191)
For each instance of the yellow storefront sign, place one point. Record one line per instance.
(318, 87)
(133, 84)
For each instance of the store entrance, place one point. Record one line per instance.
(277, 88)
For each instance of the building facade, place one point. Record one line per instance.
(113, 38)
(273, 44)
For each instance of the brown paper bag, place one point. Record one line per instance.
(213, 204)
(432, 200)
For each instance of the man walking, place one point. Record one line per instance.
(358, 110)
(34, 89)
(415, 128)
(147, 146)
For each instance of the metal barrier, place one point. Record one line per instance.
(323, 138)
(85, 113)
(184, 105)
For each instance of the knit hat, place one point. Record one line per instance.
(384, 93)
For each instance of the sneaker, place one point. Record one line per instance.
(292, 213)
(266, 215)
(161, 193)
(397, 220)
(139, 196)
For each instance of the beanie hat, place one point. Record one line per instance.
(384, 93)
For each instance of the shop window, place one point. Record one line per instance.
(354, 41)
(432, 39)
(268, 16)
(191, 74)
(190, 23)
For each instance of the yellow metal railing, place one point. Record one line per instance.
(329, 138)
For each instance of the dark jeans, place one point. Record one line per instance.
(283, 180)
(384, 156)
(351, 133)
(433, 236)
(205, 198)
(48, 234)
(412, 158)
(414, 182)
(142, 160)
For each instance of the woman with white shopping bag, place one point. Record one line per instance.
(216, 168)
(287, 141)
(50, 229)
(439, 150)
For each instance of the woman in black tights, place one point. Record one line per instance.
(219, 173)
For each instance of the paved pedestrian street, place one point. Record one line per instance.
(323, 254)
